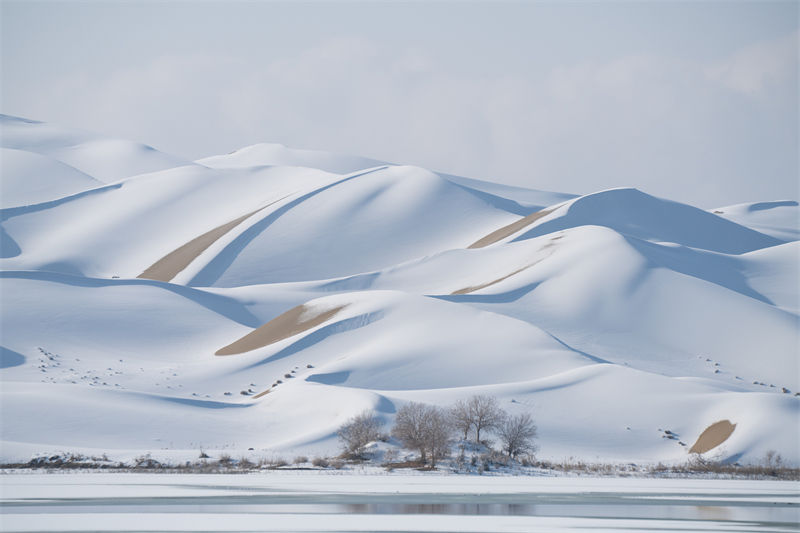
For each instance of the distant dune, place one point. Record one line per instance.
(254, 301)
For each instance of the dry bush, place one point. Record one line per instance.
(321, 462)
(359, 431)
(426, 428)
(481, 413)
(517, 433)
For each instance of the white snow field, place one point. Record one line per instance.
(613, 318)
(319, 502)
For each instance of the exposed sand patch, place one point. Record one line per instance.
(174, 262)
(713, 436)
(294, 321)
(468, 290)
(512, 228)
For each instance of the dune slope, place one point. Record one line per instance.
(259, 299)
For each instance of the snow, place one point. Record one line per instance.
(612, 318)
(358, 502)
(101, 158)
(266, 154)
(30, 178)
(779, 219)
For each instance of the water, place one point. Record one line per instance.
(322, 505)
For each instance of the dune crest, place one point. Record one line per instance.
(713, 436)
(295, 320)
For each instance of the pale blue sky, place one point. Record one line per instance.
(695, 101)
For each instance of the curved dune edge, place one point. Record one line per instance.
(295, 320)
(174, 262)
(512, 228)
(467, 290)
(713, 436)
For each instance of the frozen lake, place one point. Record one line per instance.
(326, 501)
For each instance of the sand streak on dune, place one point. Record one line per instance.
(174, 262)
(467, 290)
(550, 244)
(294, 321)
(713, 436)
(512, 228)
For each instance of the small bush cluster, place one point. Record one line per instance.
(359, 431)
(430, 430)
(770, 467)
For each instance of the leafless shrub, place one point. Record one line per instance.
(390, 455)
(146, 462)
(493, 459)
(460, 417)
(517, 434)
(478, 413)
(320, 462)
(359, 431)
(300, 459)
(773, 459)
(425, 428)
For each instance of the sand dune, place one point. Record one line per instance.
(713, 436)
(294, 321)
(174, 262)
(511, 229)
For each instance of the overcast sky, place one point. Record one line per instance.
(693, 101)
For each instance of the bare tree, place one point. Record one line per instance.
(359, 431)
(517, 433)
(425, 428)
(485, 414)
(460, 417)
(439, 434)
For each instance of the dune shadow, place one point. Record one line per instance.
(205, 404)
(222, 305)
(8, 246)
(501, 298)
(761, 206)
(320, 335)
(332, 378)
(12, 212)
(10, 358)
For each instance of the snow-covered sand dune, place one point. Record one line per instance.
(261, 298)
